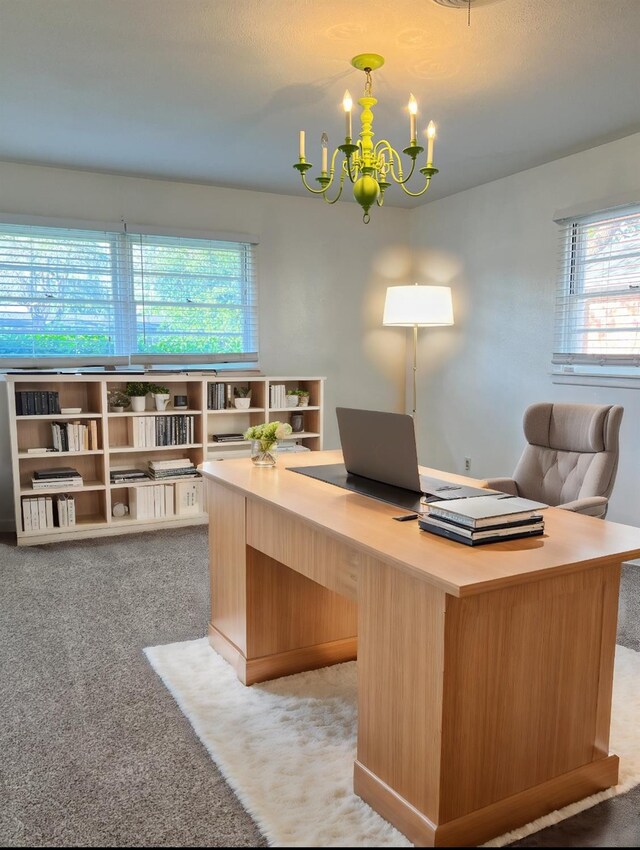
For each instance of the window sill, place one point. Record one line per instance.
(630, 382)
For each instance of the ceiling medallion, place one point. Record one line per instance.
(371, 168)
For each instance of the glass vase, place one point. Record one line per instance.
(263, 453)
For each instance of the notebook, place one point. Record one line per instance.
(381, 461)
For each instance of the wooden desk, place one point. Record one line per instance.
(484, 674)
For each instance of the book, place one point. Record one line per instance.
(71, 510)
(188, 497)
(468, 531)
(174, 462)
(57, 472)
(484, 510)
(493, 537)
(52, 483)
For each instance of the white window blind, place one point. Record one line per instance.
(72, 293)
(598, 300)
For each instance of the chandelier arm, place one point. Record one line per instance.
(311, 189)
(346, 169)
(337, 197)
(417, 194)
(391, 171)
(399, 180)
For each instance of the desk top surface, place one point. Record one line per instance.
(571, 541)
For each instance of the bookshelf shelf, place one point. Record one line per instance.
(234, 411)
(94, 501)
(215, 444)
(173, 411)
(119, 485)
(141, 449)
(50, 455)
(57, 417)
(47, 491)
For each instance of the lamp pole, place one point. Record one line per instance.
(415, 366)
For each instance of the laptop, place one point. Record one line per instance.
(381, 461)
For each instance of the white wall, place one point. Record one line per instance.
(322, 277)
(497, 245)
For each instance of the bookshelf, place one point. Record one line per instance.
(125, 440)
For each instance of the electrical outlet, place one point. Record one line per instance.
(467, 464)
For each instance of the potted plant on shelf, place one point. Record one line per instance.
(292, 398)
(303, 397)
(118, 400)
(242, 397)
(160, 394)
(137, 392)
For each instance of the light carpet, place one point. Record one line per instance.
(287, 747)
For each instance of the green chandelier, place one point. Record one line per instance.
(371, 168)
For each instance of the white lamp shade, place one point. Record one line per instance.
(418, 305)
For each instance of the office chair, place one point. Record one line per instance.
(571, 458)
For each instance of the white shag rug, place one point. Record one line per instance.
(287, 746)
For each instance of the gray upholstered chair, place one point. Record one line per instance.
(571, 458)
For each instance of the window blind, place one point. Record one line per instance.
(192, 297)
(112, 296)
(598, 296)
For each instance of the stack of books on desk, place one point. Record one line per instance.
(485, 519)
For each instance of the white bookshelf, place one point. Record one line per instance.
(95, 499)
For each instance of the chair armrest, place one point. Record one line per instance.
(591, 506)
(505, 485)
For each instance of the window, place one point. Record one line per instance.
(111, 296)
(598, 304)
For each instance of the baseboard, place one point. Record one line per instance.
(486, 823)
(253, 670)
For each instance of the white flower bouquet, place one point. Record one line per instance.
(266, 437)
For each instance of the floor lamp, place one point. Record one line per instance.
(417, 307)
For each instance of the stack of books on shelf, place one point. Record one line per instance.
(42, 512)
(60, 476)
(177, 468)
(128, 476)
(74, 436)
(484, 519)
(227, 438)
(277, 395)
(150, 431)
(291, 446)
(36, 403)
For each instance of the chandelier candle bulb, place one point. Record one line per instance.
(413, 111)
(301, 145)
(347, 103)
(324, 141)
(431, 135)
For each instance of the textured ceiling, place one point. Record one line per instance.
(216, 91)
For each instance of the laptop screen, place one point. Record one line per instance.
(379, 445)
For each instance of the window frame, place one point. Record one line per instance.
(122, 283)
(567, 359)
